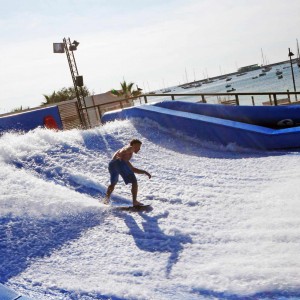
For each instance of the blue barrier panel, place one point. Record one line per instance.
(213, 129)
(29, 120)
(8, 294)
(269, 116)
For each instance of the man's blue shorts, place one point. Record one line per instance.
(118, 167)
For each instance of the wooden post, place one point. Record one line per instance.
(252, 98)
(237, 99)
(270, 99)
(288, 94)
(145, 98)
(100, 114)
(275, 99)
(203, 99)
(289, 97)
(172, 97)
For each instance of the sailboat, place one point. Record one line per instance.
(266, 68)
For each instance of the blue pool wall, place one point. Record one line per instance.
(213, 129)
(28, 120)
(268, 116)
(8, 294)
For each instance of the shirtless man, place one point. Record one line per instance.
(120, 165)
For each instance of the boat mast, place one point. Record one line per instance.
(262, 56)
(186, 76)
(298, 54)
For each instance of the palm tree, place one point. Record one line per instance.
(127, 91)
(63, 95)
(50, 99)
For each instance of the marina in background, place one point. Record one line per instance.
(270, 78)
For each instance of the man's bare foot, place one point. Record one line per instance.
(137, 203)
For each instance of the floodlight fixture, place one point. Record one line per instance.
(290, 53)
(72, 48)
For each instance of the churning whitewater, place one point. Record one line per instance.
(224, 222)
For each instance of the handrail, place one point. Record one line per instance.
(173, 95)
(273, 100)
(236, 95)
(219, 94)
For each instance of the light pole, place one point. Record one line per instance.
(67, 47)
(290, 55)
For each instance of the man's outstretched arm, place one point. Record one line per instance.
(138, 171)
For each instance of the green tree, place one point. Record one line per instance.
(63, 95)
(21, 108)
(127, 90)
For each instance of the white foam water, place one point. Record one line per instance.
(224, 225)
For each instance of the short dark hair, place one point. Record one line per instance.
(135, 141)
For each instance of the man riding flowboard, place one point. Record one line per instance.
(120, 165)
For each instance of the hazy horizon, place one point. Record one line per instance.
(150, 43)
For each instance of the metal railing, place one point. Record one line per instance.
(273, 98)
(234, 98)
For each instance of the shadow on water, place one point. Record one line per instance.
(24, 239)
(152, 239)
(41, 164)
(59, 176)
(101, 143)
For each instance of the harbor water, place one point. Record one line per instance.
(251, 82)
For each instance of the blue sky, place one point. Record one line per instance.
(151, 43)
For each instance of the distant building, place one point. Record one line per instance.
(108, 102)
(249, 68)
(96, 105)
